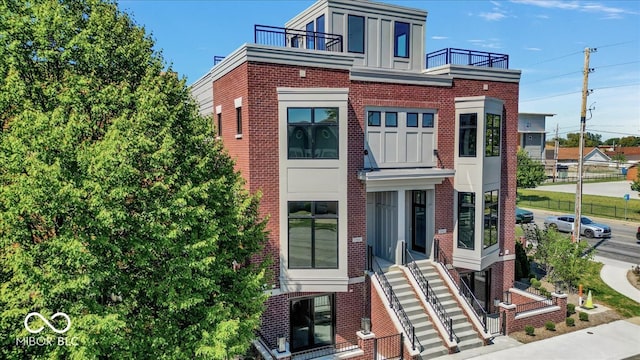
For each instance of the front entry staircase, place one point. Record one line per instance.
(423, 311)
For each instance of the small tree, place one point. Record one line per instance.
(529, 173)
(619, 158)
(635, 185)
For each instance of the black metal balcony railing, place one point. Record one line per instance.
(467, 57)
(536, 305)
(286, 37)
(217, 59)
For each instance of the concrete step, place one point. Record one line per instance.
(467, 335)
(427, 334)
(433, 352)
(470, 344)
(414, 310)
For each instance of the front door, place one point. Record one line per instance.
(419, 224)
(312, 322)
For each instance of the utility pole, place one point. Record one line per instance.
(583, 120)
(555, 155)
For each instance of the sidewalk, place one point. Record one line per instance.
(614, 274)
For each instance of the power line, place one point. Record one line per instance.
(578, 72)
(577, 92)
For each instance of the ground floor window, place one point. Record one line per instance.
(312, 322)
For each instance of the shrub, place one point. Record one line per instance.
(583, 316)
(544, 292)
(571, 309)
(550, 325)
(529, 330)
(570, 321)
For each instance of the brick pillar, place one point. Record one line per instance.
(366, 344)
(508, 314)
(562, 300)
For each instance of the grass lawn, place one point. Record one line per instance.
(605, 295)
(602, 206)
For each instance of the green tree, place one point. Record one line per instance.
(629, 141)
(619, 158)
(612, 141)
(635, 185)
(117, 207)
(529, 173)
(590, 140)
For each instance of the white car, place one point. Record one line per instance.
(588, 228)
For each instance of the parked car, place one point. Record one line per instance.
(638, 234)
(523, 216)
(588, 228)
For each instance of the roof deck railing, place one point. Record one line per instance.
(467, 57)
(286, 37)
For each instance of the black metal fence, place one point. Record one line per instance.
(531, 290)
(618, 212)
(286, 37)
(467, 57)
(324, 351)
(388, 347)
(536, 305)
(562, 178)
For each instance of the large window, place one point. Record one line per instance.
(320, 40)
(310, 36)
(401, 43)
(490, 218)
(466, 219)
(468, 135)
(492, 135)
(312, 133)
(313, 234)
(219, 115)
(355, 36)
(312, 322)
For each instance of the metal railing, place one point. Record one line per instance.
(531, 290)
(324, 351)
(394, 303)
(467, 57)
(429, 294)
(286, 37)
(217, 59)
(535, 305)
(388, 347)
(463, 289)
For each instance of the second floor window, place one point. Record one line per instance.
(219, 124)
(313, 234)
(466, 220)
(312, 133)
(355, 34)
(310, 36)
(401, 40)
(239, 120)
(468, 135)
(490, 218)
(492, 135)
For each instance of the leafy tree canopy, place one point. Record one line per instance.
(116, 206)
(590, 139)
(529, 173)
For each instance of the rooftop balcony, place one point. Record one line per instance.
(451, 56)
(278, 36)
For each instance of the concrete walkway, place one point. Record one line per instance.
(615, 189)
(614, 274)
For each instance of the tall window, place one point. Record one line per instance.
(310, 36)
(312, 133)
(239, 120)
(401, 43)
(312, 322)
(313, 234)
(219, 115)
(466, 219)
(468, 134)
(320, 40)
(490, 218)
(492, 135)
(355, 34)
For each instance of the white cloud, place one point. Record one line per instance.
(492, 16)
(608, 12)
(439, 37)
(533, 49)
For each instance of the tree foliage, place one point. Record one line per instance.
(590, 140)
(116, 206)
(635, 185)
(529, 173)
(625, 141)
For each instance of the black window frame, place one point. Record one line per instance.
(374, 123)
(471, 208)
(239, 120)
(492, 135)
(387, 122)
(310, 42)
(491, 200)
(397, 35)
(430, 122)
(312, 133)
(351, 38)
(313, 216)
(312, 321)
(470, 128)
(320, 28)
(219, 120)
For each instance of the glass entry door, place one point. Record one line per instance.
(419, 224)
(312, 322)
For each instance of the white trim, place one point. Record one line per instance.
(218, 109)
(399, 76)
(237, 102)
(476, 73)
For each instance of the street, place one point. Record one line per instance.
(621, 246)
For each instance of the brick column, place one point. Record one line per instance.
(508, 314)
(366, 344)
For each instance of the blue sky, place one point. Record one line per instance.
(543, 38)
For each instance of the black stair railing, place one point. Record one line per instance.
(466, 293)
(394, 303)
(429, 294)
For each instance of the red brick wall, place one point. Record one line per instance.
(537, 320)
(381, 323)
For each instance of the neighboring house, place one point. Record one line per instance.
(362, 147)
(592, 156)
(632, 173)
(532, 136)
(631, 153)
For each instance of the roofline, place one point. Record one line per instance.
(531, 113)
